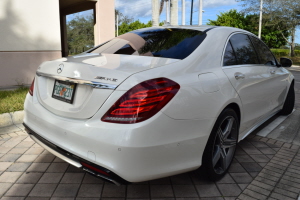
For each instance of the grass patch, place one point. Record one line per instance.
(11, 101)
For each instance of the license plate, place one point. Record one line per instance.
(64, 91)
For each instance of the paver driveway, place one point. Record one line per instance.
(27, 171)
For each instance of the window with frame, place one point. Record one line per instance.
(265, 55)
(229, 56)
(243, 49)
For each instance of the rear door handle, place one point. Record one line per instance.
(239, 75)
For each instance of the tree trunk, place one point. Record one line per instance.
(155, 13)
(293, 42)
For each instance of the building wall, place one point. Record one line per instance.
(29, 35)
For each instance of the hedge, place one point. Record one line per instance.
(284, 52)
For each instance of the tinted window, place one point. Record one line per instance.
(265, 55)
(229, 56)
(243, 48)
(157, 42)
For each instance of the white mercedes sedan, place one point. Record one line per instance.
(158, 101)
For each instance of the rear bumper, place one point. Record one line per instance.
(156, 148)
(75, 160)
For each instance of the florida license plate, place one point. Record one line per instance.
(64, 91)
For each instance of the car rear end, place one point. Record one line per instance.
(83, 110)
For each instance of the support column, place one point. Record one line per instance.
(174, 12)
(183, 12)
(104, 28)
(155, 13)
(200, 12)
(64, 37)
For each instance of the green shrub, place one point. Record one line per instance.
(284, 52)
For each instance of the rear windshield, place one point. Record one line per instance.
(157, 42)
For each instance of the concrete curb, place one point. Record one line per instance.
(8, 119)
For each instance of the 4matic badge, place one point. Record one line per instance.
(106, 79)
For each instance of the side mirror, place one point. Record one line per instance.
(286, 62)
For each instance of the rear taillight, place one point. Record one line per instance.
(31, 88)
(142, 101)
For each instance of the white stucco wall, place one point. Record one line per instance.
(29, 25)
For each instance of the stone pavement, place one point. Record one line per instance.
(263, 168)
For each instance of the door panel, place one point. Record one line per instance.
(255, 90)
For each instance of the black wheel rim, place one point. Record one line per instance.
(224, 145)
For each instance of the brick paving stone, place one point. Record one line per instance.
(244, 158)
(254, 194)
(286, 193)
(251, 150)
(267, 150)
(229, 189)
(4, 187)
(14, 198)
(29, 178)
(209, 190)
(9, 157)
(38, 167)
(260, 158)
(25, 144)
(251, 166)
(243, 186)
(18, 150)
(259, 189)
(288, 188)
(72, 178)
(289, 183)
(163, 181)
(185, 191)
(286, 145)
(271, 172)
(58, 160)
(91, 179)
(27, 158)
(272, 141)
(43, 190)
(58, 167)
(34, 151)
(241, 177)
(262, 185)
(280, 196)
(236, 167)
(5, 149)
(284, 177)
(18, 167)
(226, 179)
(5, 165)
(275, 166)
(245, 197)
(66, 190)
(18, 190)
(259, 144)
(111, 190)
(239, 151)
(181, 179)
(9, 177)
(51, 178)
(138, 191)
(91, 190)
(44, 158)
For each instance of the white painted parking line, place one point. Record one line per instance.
(266, 130)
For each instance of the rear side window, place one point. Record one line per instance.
(157, 42)
(265, 55)
(243, 49)
(229, 56)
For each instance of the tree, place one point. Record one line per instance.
(124, 27)
(123, 18)
(80, 33)
(270, 35)
(284, 14)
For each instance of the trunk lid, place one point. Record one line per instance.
(95, 76)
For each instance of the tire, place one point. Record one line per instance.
(289, 102)
(221, 146)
